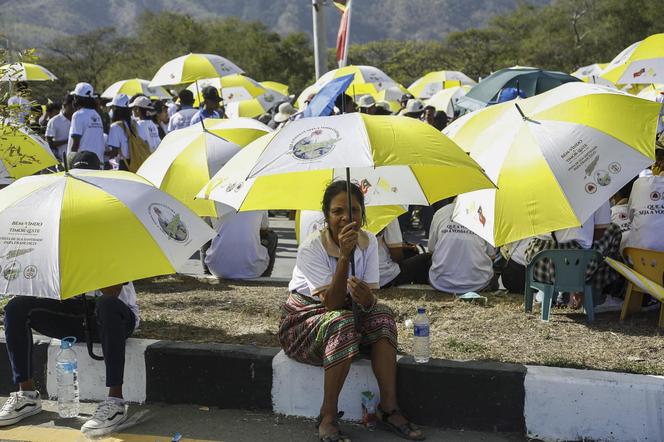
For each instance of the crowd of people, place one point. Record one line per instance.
(317, 327)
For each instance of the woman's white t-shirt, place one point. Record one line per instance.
(117, 138)
(646, 208)
(149, 132)
(317, 258)
(86, 123)
(390, 237)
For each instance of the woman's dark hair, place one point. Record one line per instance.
(440, 120)
(337, 187)
(123, 114)
(86, 102)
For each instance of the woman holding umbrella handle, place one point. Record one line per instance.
(317, 324)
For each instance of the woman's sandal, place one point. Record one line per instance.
(404, 430)
(336, 437)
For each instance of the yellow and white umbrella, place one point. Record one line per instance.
(187, 158)
(592, 74)
(69, 233)
(136, 86)
(433, 82)
(276, 86)
(22, 153)
(555, 158)
(233, 88)
(256, 106)
(192, 67)
(651, 92)
(290, 168)
(644, 284)
(446, 99)
(25, 72)
(640, 63)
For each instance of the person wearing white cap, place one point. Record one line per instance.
(414, 108)
(57, 128)
(367, 105)
(147, 130)
(122, 127)
(87, 130)
(286, 110)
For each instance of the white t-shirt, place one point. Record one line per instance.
(87, 124)
(583, 235)
(18, 115)
(316, 263)
(58, 128)
(236, 252)
(516, 251)
(310, 221)
(128, 296)
(118, 139)
(646, 208)
(149, 132)
(461, 261)
(181, 119)
(389, 238)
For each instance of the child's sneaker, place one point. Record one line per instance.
(18, 406)
(107, 417)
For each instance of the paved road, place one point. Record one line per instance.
(202, 424)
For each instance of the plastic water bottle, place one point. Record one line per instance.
(66, 368)
(421, 336)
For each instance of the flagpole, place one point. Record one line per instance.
(349, 11)
(320, 37)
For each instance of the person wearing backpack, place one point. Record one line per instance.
(129, 149)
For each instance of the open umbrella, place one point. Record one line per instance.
(25, 72)
(652, 91)
(234, 87)
(446, 99)
(276, 86)
(69, 233)
(187, 158)
(555, 158)
(192, 67)
(433, 82)
(529, 81)
(298, 161)
(640, 63)
(136, 86)
(22, 153)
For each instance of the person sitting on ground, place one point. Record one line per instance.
(57, 128)
(461, 261)
(210, 108)
(142, 109)
(598, 233)
(116, 316)
(620, 212)
(244, 248)
(400, 263)
(87, 131)
(182, 118)
(367, 105)
(317, 325)
(513, 273)
(645, 207)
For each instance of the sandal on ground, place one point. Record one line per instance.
(336, 437)
(405, 431)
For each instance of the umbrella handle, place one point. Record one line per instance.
(356, 308)
(87, 332)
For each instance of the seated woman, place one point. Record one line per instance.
(394, 267)
(317, 325)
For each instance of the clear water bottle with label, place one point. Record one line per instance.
(421, 336)
(66, 369)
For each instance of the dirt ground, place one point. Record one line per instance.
(185, 308)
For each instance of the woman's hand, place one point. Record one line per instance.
(348, 239)
(360, 292)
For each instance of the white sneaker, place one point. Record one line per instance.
(19, 406)
(611, 304)
(107, 417)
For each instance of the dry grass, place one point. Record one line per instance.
(184, 308)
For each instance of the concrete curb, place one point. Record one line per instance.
(544, 402)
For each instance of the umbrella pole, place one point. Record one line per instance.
(356, 308)
(87, 330)
(198, 94)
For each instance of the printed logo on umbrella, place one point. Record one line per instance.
(314, 143)
(12, 271)
(169, 222)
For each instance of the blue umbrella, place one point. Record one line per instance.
(323, 103)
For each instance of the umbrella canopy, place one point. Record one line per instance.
(276, 86)
(531, 81)
(640, 63)
(25, 72)
(592, 74)
(555, 158)
(136, 86)
(433, 82)
(651, 92)
(377, 149)
(192, 67)
(22, 153)
(233, 88)
(56, 242)
(256, 106)
(187, 158)
(445, 100)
